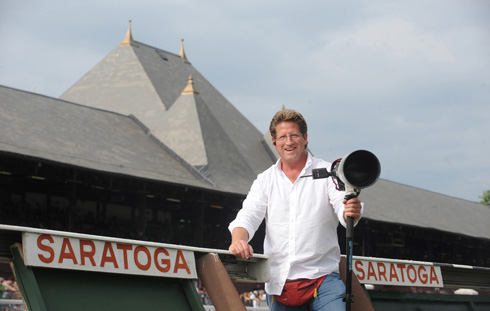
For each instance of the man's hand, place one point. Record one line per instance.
(239, 245)
(352, 208)
(241, 249)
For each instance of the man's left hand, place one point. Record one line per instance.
(352, 208)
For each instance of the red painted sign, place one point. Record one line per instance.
(47, 250)
(397, 273)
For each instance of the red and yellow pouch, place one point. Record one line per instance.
(299, 291)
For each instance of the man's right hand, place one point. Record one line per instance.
(241, 249)
(239, 245)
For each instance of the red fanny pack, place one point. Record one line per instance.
(299, 291)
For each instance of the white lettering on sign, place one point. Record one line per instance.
(46, 250)
(397, 273)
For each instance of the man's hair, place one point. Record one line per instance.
(285, 115)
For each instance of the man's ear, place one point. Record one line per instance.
(273, 141)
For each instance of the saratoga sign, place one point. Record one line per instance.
(397, 273)
(47, 250)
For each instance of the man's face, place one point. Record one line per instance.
(290, 144)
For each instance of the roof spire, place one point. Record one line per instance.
(189, 89)
(129, 37)
(182, 53)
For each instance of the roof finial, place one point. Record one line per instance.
(129, 37)
(189, 89)
(283, 108)
(182, 53)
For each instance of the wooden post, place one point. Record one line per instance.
(218, 285)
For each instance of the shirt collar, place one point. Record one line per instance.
(308, 163)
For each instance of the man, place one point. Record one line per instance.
(302, 215)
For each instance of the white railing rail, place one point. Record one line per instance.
(11, 302)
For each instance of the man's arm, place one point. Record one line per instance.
(239, 243)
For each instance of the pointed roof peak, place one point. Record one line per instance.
(189, 89)
(128, 39)
(182, 53)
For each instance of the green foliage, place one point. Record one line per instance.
(485, 197)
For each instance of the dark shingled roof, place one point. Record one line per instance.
(48, 128)
(203, 128)
(397, 203)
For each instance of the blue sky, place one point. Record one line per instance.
(407, 80)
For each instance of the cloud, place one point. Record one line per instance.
(399, 40)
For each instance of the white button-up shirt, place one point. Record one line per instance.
(301, 223)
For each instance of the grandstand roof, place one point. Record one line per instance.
(201, 127)
(405, 205)
(47, 128)
(149, 113)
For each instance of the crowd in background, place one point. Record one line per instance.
(254, 298)
(9, 290)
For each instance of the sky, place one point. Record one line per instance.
(408, 80)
